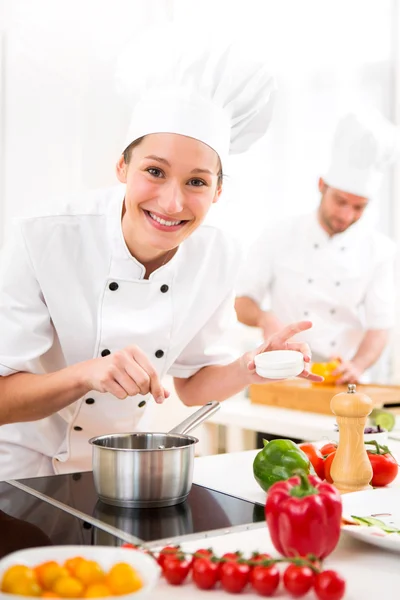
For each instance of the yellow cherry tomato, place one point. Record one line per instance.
(15, 574)
(89, 571)
(49, 595)
(25, 587)
(123, 579)
(72, 563)
(97, 590)
(48, 573)
(68, 587)
(45, 569)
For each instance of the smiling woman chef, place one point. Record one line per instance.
(98, 302)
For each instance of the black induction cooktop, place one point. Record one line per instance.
(26, 522)
(204, 510)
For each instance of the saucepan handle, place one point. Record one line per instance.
(196, 418)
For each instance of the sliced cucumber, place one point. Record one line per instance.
(372, 522)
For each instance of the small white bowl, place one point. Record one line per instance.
(106, 556)
(279, 364)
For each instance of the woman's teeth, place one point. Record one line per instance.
(163, 221)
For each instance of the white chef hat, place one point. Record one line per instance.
(195, 84)
(364, 145)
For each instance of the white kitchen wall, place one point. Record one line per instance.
(2, 120)
(63, 122)
(327, 57)
(395, 208)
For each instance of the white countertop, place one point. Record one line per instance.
(229, 473)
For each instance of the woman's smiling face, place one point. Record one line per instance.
(171, 181)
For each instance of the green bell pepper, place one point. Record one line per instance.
(278, 461)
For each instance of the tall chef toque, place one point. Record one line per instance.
(178, 81)
(364, 145)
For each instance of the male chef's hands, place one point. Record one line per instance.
(125, 373)
(349, 372)
(280, 341)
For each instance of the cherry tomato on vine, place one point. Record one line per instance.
(136, 547)
(167, 551)
(329, 585)
(298, 580)
(202, 553)
(205, 573)
(258, 557)
(265, 580)
(231, 556)
(176, 568)
(234, 576)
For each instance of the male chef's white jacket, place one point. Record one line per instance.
(57, 308)
(344, 284)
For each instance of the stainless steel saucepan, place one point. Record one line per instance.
(147, 469)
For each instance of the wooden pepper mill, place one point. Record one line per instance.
(351, 469)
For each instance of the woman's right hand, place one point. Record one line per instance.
(124, 373)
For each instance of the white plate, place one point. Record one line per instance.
(383, 504)
(106, 556)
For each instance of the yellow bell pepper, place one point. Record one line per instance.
(325, 370)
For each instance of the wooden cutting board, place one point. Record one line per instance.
(303, 395)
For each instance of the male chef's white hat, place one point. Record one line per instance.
(195, 84)
(364, 145)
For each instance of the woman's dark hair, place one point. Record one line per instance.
(128, 153)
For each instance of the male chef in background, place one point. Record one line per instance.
(330, 266)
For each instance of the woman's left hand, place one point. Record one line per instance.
(280, 341)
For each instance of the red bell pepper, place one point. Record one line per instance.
(304, 515)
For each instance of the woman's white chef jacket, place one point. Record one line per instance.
(344, 284)
(71, 291)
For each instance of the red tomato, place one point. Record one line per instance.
(202, 553)
(137, 547)
(167, 551)
(205, 573)
(328, 585)
(384, 469)
(298, 580)
(259, 558)
(232, 556)
(265, 580)
(328, 448)
(234, 576)
(315, 457)
(327, 466)
(176, 568)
